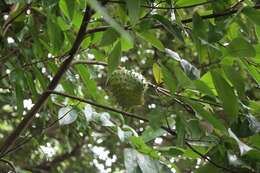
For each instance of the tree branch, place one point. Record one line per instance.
(167, 8)
(169, 130)
(98, 105)
(9, 21)
(58, 159)
(9, 164)
(46, 166)
(10, 140)
(184, 21)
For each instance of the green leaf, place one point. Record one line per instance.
(252, 14)
(157, 73)
(123, 135)
(77, 18)
(155, 118)
(140, 145)
(254, 71)
(195, 129)
(133, 7)
(172, 151)
(103, 12)
(130, 161)
(191, 154)
(188, 2)
(208, 116)
(62, 24)
(114, 57)
(105, 119)
(67, 7)
(199, 27)
(236, 79)
(208, 168)
(252, 155)
(55, 34)
(172, 28)
(203, 87)
(246, 126)
(125, 45)
(169, 79)
(241, 48)
(182, 78)
(19, 97)
(150, 134)
(149, 37)
(30, 83)
(191, 71)
(244, 148)
(68, 86)
(109, 37)
(135, 161)
(67, 115)
(43, 81)
(226, 95)
(180, 128)
(90, 84)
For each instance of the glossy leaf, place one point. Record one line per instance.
(245, 49)
(169, 79)
(133, 7)
(150, 38)
(109, 37)
(55, 35)
(157, 73)
(252, 14)
(208, 116)
(102, 11)
(227, 95)
(67, 7)
(114, 57)
(236, 79)
(172, 28)
(67, 115)
(90, 85)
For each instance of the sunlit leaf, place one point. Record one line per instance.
(114, 57)
(102, 11)
(67, 115)
(245, 49)
(157, 73)
(150, 38)
(133, 8)
(226, 94)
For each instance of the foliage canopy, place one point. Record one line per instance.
(201, 63)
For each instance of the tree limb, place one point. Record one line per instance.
(167, 129)
(167, 8)
(184, 21)
(10, 140)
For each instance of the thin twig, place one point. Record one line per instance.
(15, 148)
(10, 140)
(11, 20)
(9, 164)
(169, 130)
(98, 105)
(89, 62)
(209, 160)
(168, 8)
(184, 21)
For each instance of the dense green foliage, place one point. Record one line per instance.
(201, 105)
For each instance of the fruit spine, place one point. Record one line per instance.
(128, 87)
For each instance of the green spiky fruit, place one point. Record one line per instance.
(128, 87)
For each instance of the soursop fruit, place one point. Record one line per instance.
(128, 87)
